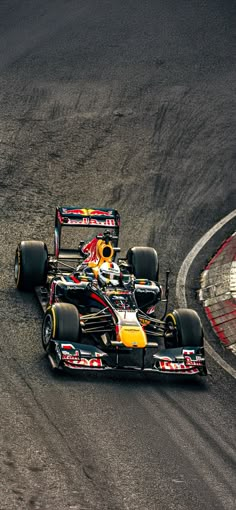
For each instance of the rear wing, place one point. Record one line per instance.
(84, 217)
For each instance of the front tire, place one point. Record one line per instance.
(183, 329)
(31, 262)
(61, 322)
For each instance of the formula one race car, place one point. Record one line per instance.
(99, 309)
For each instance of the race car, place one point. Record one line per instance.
(100, 310)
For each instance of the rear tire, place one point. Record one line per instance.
(31, 262)
(61, 322)
(144, 262)
(183, 329)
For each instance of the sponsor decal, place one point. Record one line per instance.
(108, 223)
(84, 362)
(111, 292)
(90, 246)
(74, 211)
(70, 357)
(131, 329)
(75, 354)
(174, 367)
(87, 212)
(189, 361)
(151, 310)
(90, 221)
(170, 365)
(98, 212)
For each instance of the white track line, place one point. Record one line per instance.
(181, 282)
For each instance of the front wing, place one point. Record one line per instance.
(75, 356)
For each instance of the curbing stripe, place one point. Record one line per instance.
(217, 285)
(181, 283)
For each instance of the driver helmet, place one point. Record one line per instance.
(109, 273)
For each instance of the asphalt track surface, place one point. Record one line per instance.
(129, 104)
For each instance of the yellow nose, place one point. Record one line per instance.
(132, 336)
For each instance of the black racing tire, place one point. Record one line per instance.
(31, 263)
(61, 322)
(144, 262)
(183, 329)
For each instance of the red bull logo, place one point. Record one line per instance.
(97, 212)
(87, 212)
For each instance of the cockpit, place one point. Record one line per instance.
(122, 300)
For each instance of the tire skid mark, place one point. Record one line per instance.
(159, 123)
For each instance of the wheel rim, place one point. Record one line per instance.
(171, 339)
(47, 330)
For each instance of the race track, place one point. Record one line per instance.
(127, 104)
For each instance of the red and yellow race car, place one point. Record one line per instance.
(100, 310)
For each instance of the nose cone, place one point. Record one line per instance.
(132, 336)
